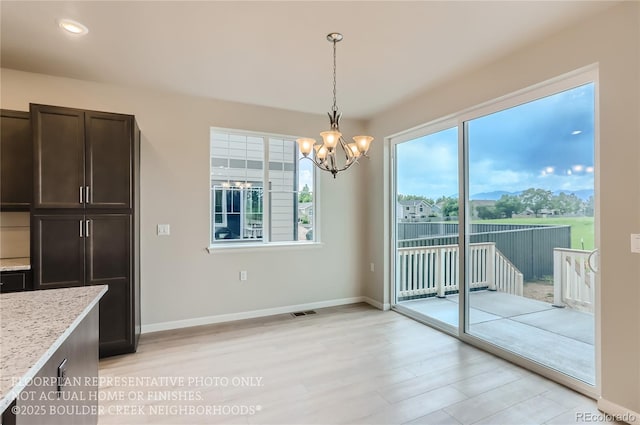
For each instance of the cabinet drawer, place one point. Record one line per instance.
(12, 282)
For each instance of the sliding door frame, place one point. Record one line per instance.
(586, 75)
(420, 131)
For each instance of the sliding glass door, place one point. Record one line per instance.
(531, 231)
(511, 264)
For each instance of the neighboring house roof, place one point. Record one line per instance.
(413, 202)
(416, 202)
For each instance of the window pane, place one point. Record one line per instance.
(282, 191)
(237, 184)
(306, 201)
(253, 213)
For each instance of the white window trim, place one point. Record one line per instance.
(260, 247)
(226, 247)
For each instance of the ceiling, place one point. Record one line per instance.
(275, 53)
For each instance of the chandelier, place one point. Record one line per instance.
(326, 155)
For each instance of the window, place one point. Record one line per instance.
(260, 191)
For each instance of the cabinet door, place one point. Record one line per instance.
(109, 160)
(58, 250)
(59, 156)
(16, 160)
(109, 263)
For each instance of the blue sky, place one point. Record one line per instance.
(547, 143)
(305, 174)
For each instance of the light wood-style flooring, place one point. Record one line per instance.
(349, 364)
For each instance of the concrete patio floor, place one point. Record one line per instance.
(560, 338)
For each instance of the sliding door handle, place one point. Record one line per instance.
(590, 263)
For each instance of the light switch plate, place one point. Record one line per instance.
(164, 230)
(635, 243)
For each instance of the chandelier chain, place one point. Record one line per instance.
(335, 107)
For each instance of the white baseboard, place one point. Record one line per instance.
(618, 412)
(377, 304)
(207, 320)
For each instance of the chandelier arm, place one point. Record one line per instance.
(346, 166)
(320, 165)
(345, 148)
(332, 159)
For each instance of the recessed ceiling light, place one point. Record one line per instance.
(576, 132)
(72, 27)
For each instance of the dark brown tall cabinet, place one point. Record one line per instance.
(85, 213)
(16, 170)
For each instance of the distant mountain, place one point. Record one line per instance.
(492, 196)
(583, 194)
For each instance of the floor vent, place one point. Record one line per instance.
(303, 313)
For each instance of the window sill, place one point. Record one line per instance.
(250, 247)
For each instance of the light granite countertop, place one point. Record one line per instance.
(14, 264)
(33, 325)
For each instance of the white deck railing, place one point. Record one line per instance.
(434, 270)
(573, 279)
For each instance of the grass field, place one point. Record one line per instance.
(582, 230)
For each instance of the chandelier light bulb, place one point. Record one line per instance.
(305, 145)
(321, 152)
(363, 143)
(353, 147)
(330, 139)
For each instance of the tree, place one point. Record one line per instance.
(441, 200)
(508, 205)
(305, 195)
(588, 206)
(536, 199)
(486, 212)
(566, 204)
(449, 207)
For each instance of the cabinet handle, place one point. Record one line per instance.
(87, 194)
(62, 377)
(81, 226)
(81, 195)
(87, 227)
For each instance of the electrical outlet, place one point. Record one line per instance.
(243, 275)
(635, 243)
(164, 230)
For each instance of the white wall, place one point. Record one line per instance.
(612, 39)
(180, 280)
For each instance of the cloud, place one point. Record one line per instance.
(532, 145)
